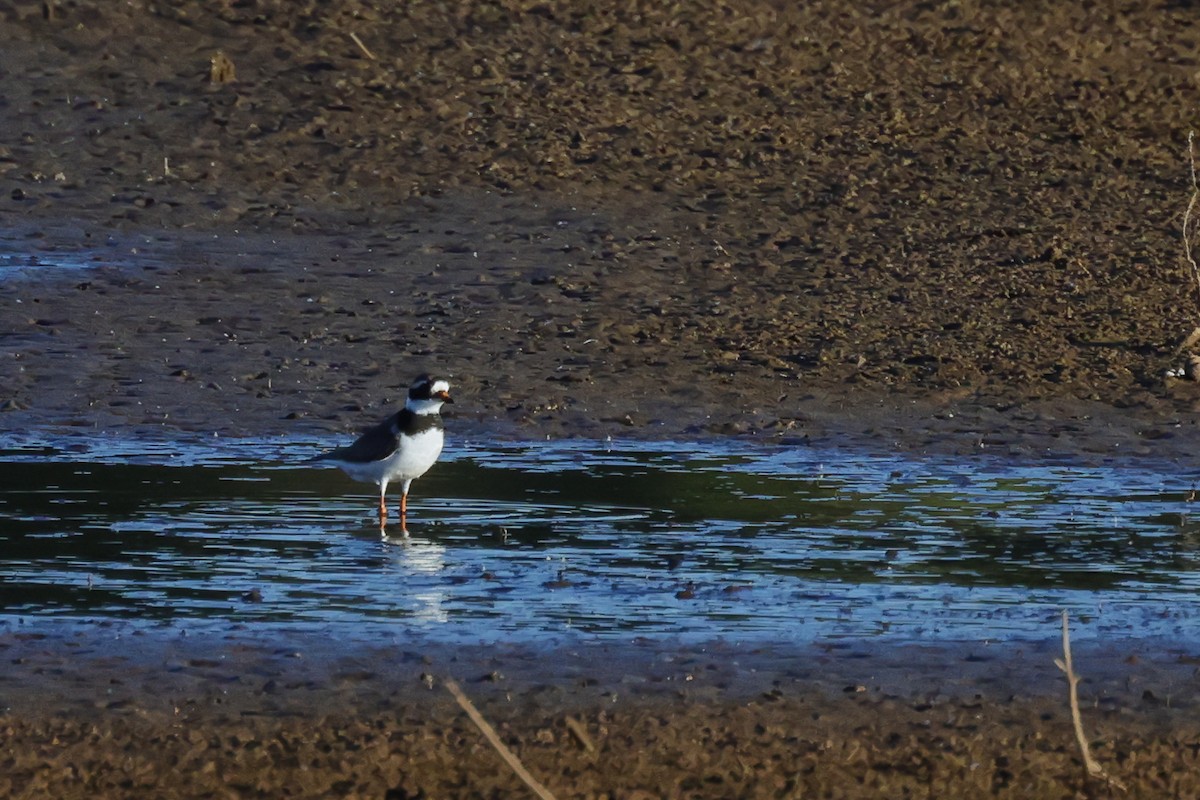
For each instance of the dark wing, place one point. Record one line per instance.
(375, 445)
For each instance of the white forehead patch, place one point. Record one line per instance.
(439, 386)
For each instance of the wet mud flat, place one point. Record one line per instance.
(724, 220)
(232, 333)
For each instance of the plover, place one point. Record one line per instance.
(401, 448)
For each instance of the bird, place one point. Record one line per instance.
(401, 448)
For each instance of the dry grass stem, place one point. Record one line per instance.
(361, 46)
(493, 738)
(1094, 770)
(1190, 228)
(581, 735)
(1189, 222)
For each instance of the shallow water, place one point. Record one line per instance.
(24, 265)
(539, 541)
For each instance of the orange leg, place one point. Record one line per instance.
(382, 511)
(404, 512)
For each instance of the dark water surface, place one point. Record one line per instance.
(531, 542)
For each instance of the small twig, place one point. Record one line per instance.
(493, 738)
(1094, 770)
(361, 46)
(581, 735)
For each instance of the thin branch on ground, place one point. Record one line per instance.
(493, 738)
(581, 735)
(1091, 765)
(361, 46)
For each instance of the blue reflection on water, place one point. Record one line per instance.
(525, 541)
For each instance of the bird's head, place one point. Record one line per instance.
(426, 394)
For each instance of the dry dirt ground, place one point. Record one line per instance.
(932, 225)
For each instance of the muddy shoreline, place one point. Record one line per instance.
(103, 708)
(148, 332)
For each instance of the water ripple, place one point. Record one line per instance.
(527, 541)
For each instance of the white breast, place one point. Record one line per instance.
(412, 459)
(415, 455)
